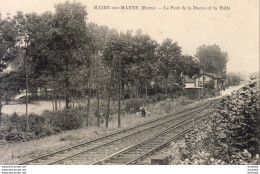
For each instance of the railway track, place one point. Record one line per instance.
(94, 148)
(133, 154)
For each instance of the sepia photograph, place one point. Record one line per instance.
(129, 82)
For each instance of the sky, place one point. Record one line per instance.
(235, 30)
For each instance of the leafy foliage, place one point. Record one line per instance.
(67, 120)
(14, 129)
(240, 118)
(230, 136)
(212, 59)
(8, 36)
(133, 105)
(233, 79)
(63, 56)
(12, 83)
(169, 60)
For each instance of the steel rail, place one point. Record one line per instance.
(121, 138)
(105, 136)
(112, 134)
(167, 142)
(150, 139)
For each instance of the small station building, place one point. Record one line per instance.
(194, 86)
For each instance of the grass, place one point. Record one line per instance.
(15, 153)
(22, 151)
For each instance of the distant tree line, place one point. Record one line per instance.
(233, 79)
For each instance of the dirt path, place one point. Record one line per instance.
(229, 90)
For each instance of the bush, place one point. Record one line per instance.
(102, 109)
(20, 124)
(183, 101)
(67, 119)
(159, 97)
(36, 123)
(19, 136)
(133, 105)
(1, 136)
(230, 136)
(239, 115)
(204, 146)
(14, 128)
(14, 118)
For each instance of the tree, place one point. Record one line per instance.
(54, 46)
(212, 59)
(100, 68)
(8, 47)
(11, 84)
(112, 55)
(22, 40)
(233, 79)
(144, 60)
(39, 28)
(169, 55)
(190, 66)
(70, 41)
(130, 59)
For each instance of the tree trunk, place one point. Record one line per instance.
(36, 93)
(56, 102)
(113, 98)
(26, 93)
(119, 96)
(52, 102)
(146, 91)
(217, 79)
(89, 95)
(123, 85)
(203, 89)
(27, 119)
(166, 85)
(123, 91)
(109, 96)
(59, 103)
(131, 90)
(46, 93)
(57, 94)
(54, 93)
(67, 97)
(93, 93)
(88, 104)
(97, 90)
(128, 90)
(136, 91)
(67, 101)
(119, 102)
(108, 102)
(0, 108)
(98, 116)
